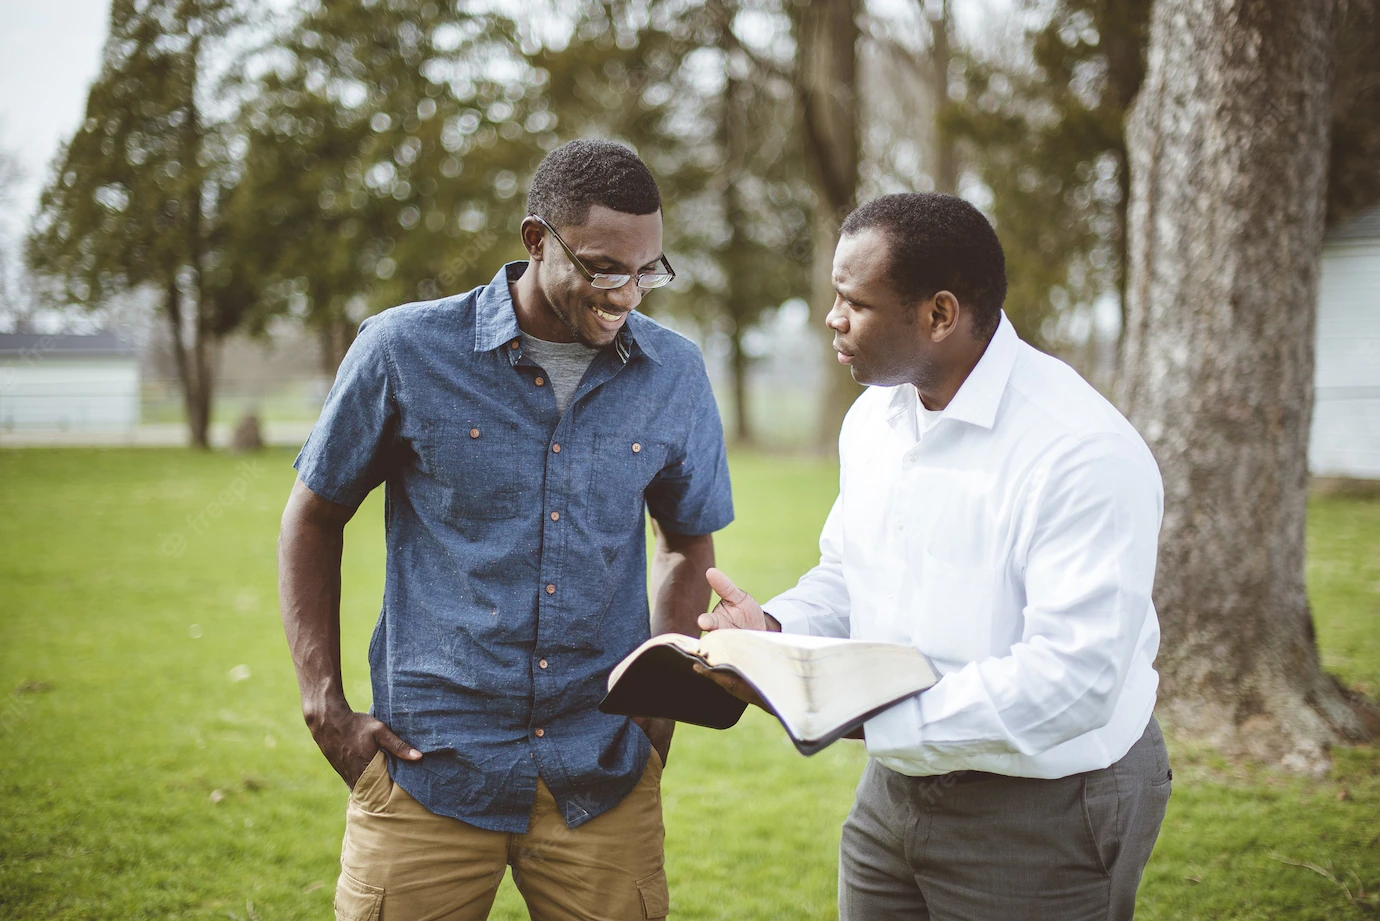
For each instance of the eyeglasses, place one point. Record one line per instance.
(606, 281)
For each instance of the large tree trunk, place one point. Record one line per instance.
(1228, 143)
(826, 66)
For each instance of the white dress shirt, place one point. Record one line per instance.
(1013, 541)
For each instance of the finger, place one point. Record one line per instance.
(393, 745)
(724, 586)
(721, 618)
(715, 620)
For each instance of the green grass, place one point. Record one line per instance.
(140, 779)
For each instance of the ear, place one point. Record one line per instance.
(533, 237)
(943, 312)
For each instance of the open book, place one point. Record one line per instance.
(821, 689)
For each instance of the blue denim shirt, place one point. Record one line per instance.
(516, 573)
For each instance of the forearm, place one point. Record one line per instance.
(680, 593)
(309, 554)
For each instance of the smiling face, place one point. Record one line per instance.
(884, 339)
(607, 242)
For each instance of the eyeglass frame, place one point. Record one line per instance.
(591, 276)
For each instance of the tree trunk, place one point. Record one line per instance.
(1228, 145)
(826, 65)
(742, 424)
(193, 366)
(335, 338)
(945, 169)
(737, 261)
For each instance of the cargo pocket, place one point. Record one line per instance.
(356, 901)
(655, 893)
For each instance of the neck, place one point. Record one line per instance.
(938, 391)
(534, 313)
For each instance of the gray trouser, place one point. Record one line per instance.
(970, 846)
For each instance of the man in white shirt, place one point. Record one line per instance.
(998, 514)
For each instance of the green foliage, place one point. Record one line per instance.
(154, 764)
(1045, 134)
(134, 195)
(1044, 128)
(387, 147)
(383, 142)
(1353, 176)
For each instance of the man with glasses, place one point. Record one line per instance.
(520, 429)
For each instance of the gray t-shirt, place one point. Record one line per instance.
(565, 364)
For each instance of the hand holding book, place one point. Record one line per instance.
(820, 689)
(736, 610)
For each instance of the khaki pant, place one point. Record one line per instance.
(402, 862)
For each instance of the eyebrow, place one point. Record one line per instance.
(609, 260)
(845, 295)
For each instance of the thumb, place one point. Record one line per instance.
(394, 745)
(722, 584)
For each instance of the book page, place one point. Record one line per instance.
(817, 684)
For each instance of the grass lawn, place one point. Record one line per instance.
(155, 764)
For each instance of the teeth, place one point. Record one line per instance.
(611, 317)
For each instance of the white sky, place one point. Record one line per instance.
(50, 51)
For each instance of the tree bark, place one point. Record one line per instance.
(1228, 144)
(945, 155)
(825, 75)
(193, 366)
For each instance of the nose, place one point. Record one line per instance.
(626, 297)
(837, 318)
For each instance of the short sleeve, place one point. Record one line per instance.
(691, 494)
(346, 454)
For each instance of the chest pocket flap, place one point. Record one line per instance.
(476, 466)
(622, 468)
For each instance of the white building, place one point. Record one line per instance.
(1345, 440)
(68, 383)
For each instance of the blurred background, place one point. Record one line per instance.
(215, 193)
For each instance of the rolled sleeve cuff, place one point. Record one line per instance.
(707, 523)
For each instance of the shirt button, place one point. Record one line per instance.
(539, 733)
(555, 516)
(474, 433)
(541, 664)
(555, 449)
(539, 382)
(636, 447)
(550, 589)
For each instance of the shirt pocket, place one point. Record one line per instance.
(476, 464)
(955, 615)
(620, 471)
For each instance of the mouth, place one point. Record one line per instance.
(609, 319)
(845, 358)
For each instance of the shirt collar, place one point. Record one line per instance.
(495, 321)
(980, 394)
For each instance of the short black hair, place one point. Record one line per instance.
(582, 173)
(940, 243)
